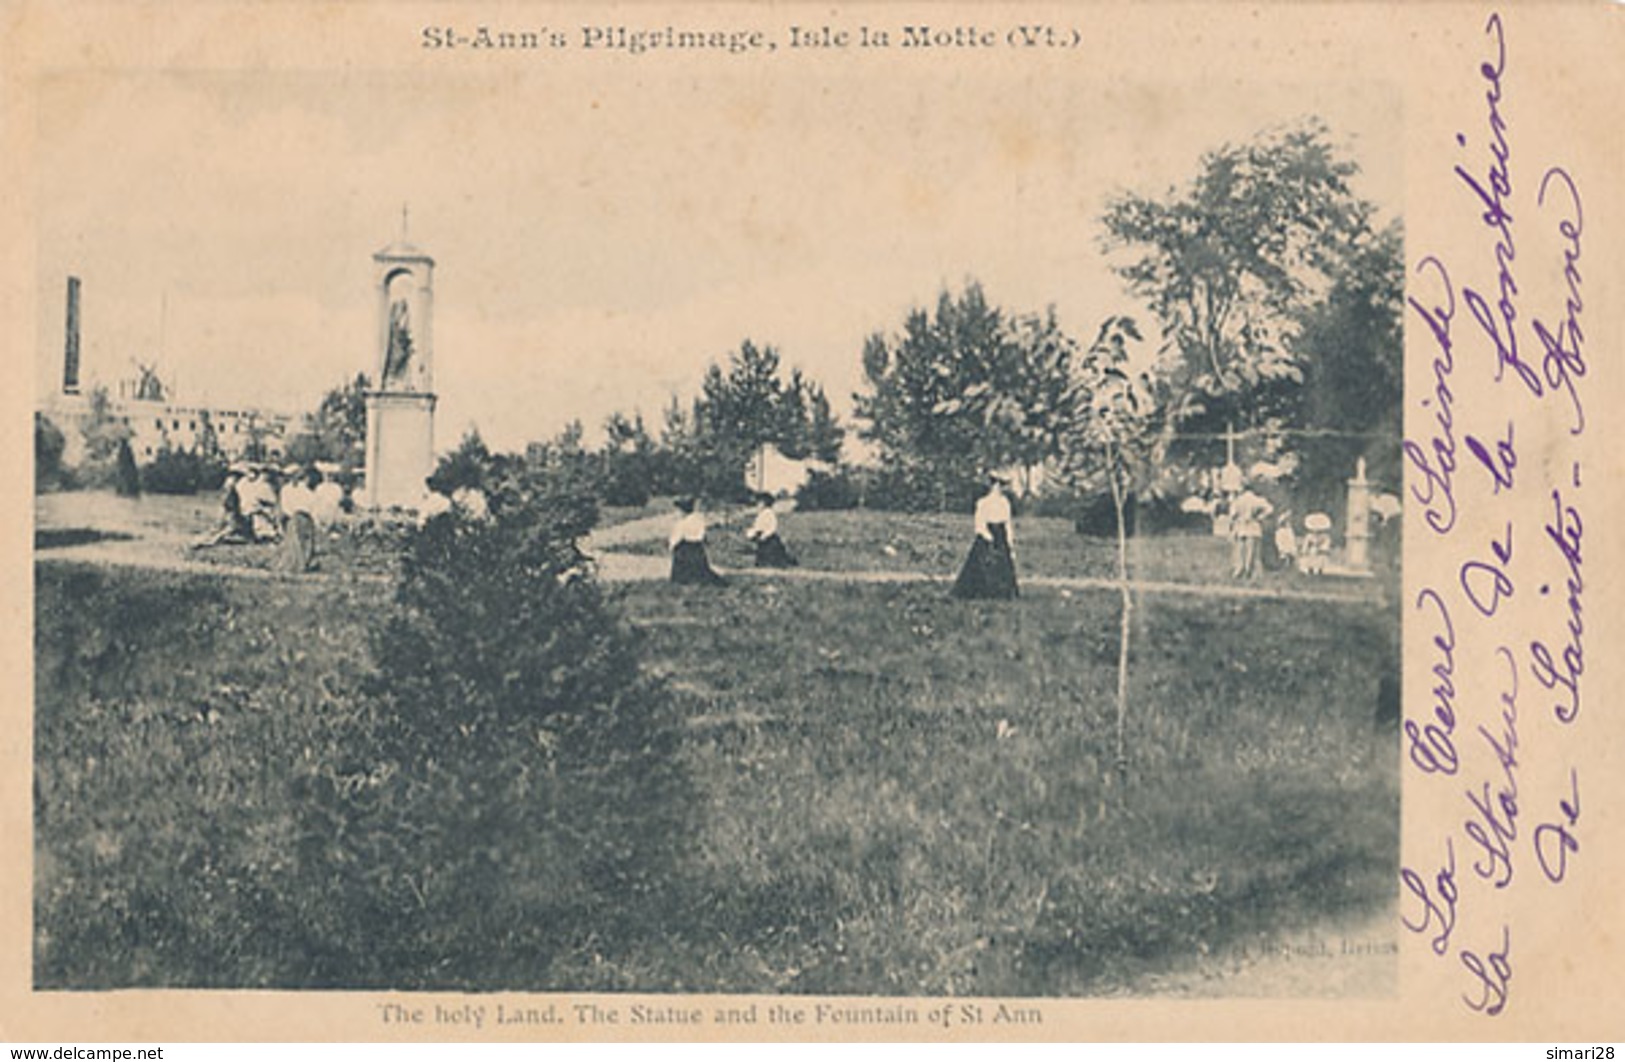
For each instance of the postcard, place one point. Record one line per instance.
(872, 521)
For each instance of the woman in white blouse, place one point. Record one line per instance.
(990, 568)
(689, 563)
(771, 551)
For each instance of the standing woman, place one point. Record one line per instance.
(990, 569)
(298, 502)
(1247, 515)
(770, 548)
(689, 563)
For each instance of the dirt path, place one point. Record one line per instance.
(171, 552)
(1064, 583)
(617, 566)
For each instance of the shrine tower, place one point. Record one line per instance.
(400, 410)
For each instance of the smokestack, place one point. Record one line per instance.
(70, 355)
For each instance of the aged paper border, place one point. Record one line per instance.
(1568, 943)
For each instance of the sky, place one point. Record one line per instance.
(599, 239)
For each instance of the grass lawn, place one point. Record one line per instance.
(898, 793)
(613, 515)
(913, 794)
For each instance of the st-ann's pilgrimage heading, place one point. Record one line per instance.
(640, 41)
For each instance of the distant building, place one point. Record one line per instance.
(157, 424)
(156, 421)
(770, 472)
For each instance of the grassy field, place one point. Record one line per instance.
(898, 793)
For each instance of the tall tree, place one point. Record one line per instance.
(1029, 411)
(962, 390)
(208, 438)
(741, 405)
(103, 430)
(825, 435)
(1352, 346)
(627, 461)
(1231, 262)
(337, 430)
(747, 404)
(126, 476)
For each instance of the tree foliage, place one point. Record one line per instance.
(964, 389)
(629, 463)
(1117, 400)
(103, 430)
(468, 466)
(1352, 346)
(743, 405)
(337, 430)
(177, 471)
(1230, 263)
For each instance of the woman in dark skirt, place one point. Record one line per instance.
(689, 563)
(990, 569)
(764, 533)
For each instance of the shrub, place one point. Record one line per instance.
(126, 478)
(48, 446)
(182, 472)
(522, 780)
(468, 466)
(919, 487)
(1095, 515)
(1057, 502)
(628, 479)
(829, 490)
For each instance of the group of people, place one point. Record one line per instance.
(1248, 513)
(690, 565)
(265, 504)
(989, 571)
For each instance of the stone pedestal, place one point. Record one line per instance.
(400, 448)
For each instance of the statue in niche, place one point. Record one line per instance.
(399, 355)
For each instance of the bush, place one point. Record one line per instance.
(524, 780)
(466, 467)
(829, 490)
(1055, 502)
(920, 488)
(628, 479)
(182, 472)
(1096, 515)
(48, 446)
(126, 477)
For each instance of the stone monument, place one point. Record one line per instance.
(400, 411)
(1359, 520)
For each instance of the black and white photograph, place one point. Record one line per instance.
(632, 509)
